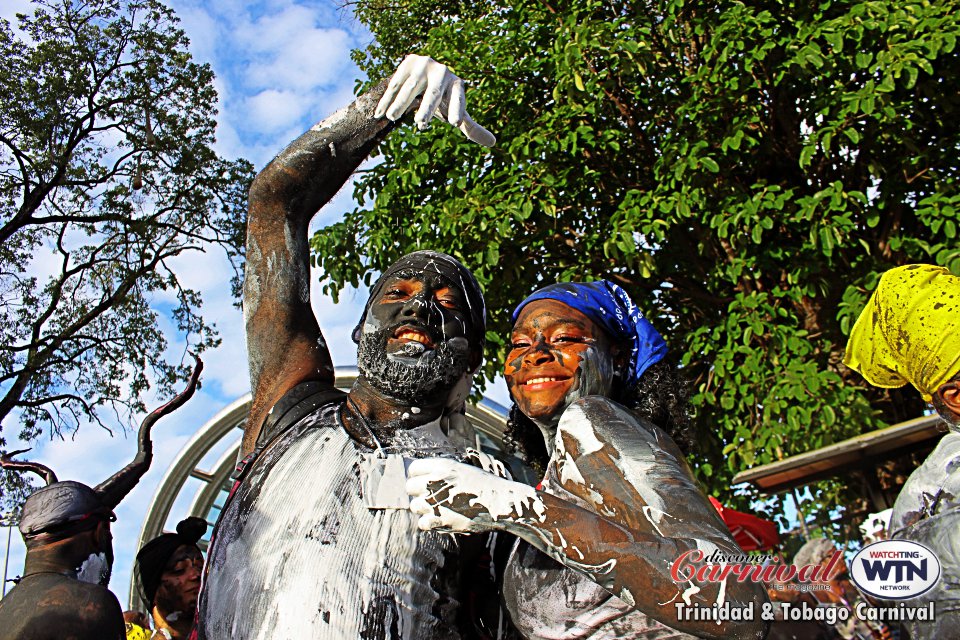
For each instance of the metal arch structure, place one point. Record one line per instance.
(487, 417)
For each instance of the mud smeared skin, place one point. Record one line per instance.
(284, 342)
(606, 520)
(618, 503)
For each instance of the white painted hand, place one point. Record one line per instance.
(456, 497)
(441, 89)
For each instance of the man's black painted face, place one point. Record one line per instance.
(414, 337)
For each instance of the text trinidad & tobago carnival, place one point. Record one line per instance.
(717, 567)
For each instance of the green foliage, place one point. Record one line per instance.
(745, 170)
(106, 174)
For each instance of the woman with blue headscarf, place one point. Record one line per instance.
(602, 538)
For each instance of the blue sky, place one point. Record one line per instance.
(281, 66)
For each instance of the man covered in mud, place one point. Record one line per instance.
(66, 528)
(909, 333)
(316, 540)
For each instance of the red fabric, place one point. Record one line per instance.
(749, 531)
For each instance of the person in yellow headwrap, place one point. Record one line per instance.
(909, 333)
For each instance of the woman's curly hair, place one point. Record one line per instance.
(660, 396)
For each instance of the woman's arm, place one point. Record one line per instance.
(618, 505)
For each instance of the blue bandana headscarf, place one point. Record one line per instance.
(609, 306)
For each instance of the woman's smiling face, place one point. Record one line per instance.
(557, 355)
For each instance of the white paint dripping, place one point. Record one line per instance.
(563, 541)
(689, 592)
(577, 425)
(654, 516)
(673, 599)
(722, 593)
(94, 568)
(569, 472)
(577, 549)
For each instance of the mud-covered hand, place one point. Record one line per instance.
(453, 496)
(442, 91)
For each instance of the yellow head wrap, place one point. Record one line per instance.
(909, 330)
(136, 632)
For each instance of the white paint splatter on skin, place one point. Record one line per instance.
(722, 593)
(689, 592)
(654, 517)
(673, 599)
(497, 497)
(569, 471)
(333, 121)
(339, 569)
(577, 426)
(94, 569)
(595, 496)
(251, 282)
(563, 541)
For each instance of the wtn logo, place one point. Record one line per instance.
(903, 569)
(895, 569)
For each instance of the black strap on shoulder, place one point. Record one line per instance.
(296, 404)
(299, 402)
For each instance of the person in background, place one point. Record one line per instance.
(66, 528)
(842, 592)
(909, 333)
(136, 624)
(169, 569)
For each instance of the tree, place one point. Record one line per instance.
(745, 170)
(106, 174)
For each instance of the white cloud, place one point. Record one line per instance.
(302, 59)
(271, 110)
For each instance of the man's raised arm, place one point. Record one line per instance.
(284, 343)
